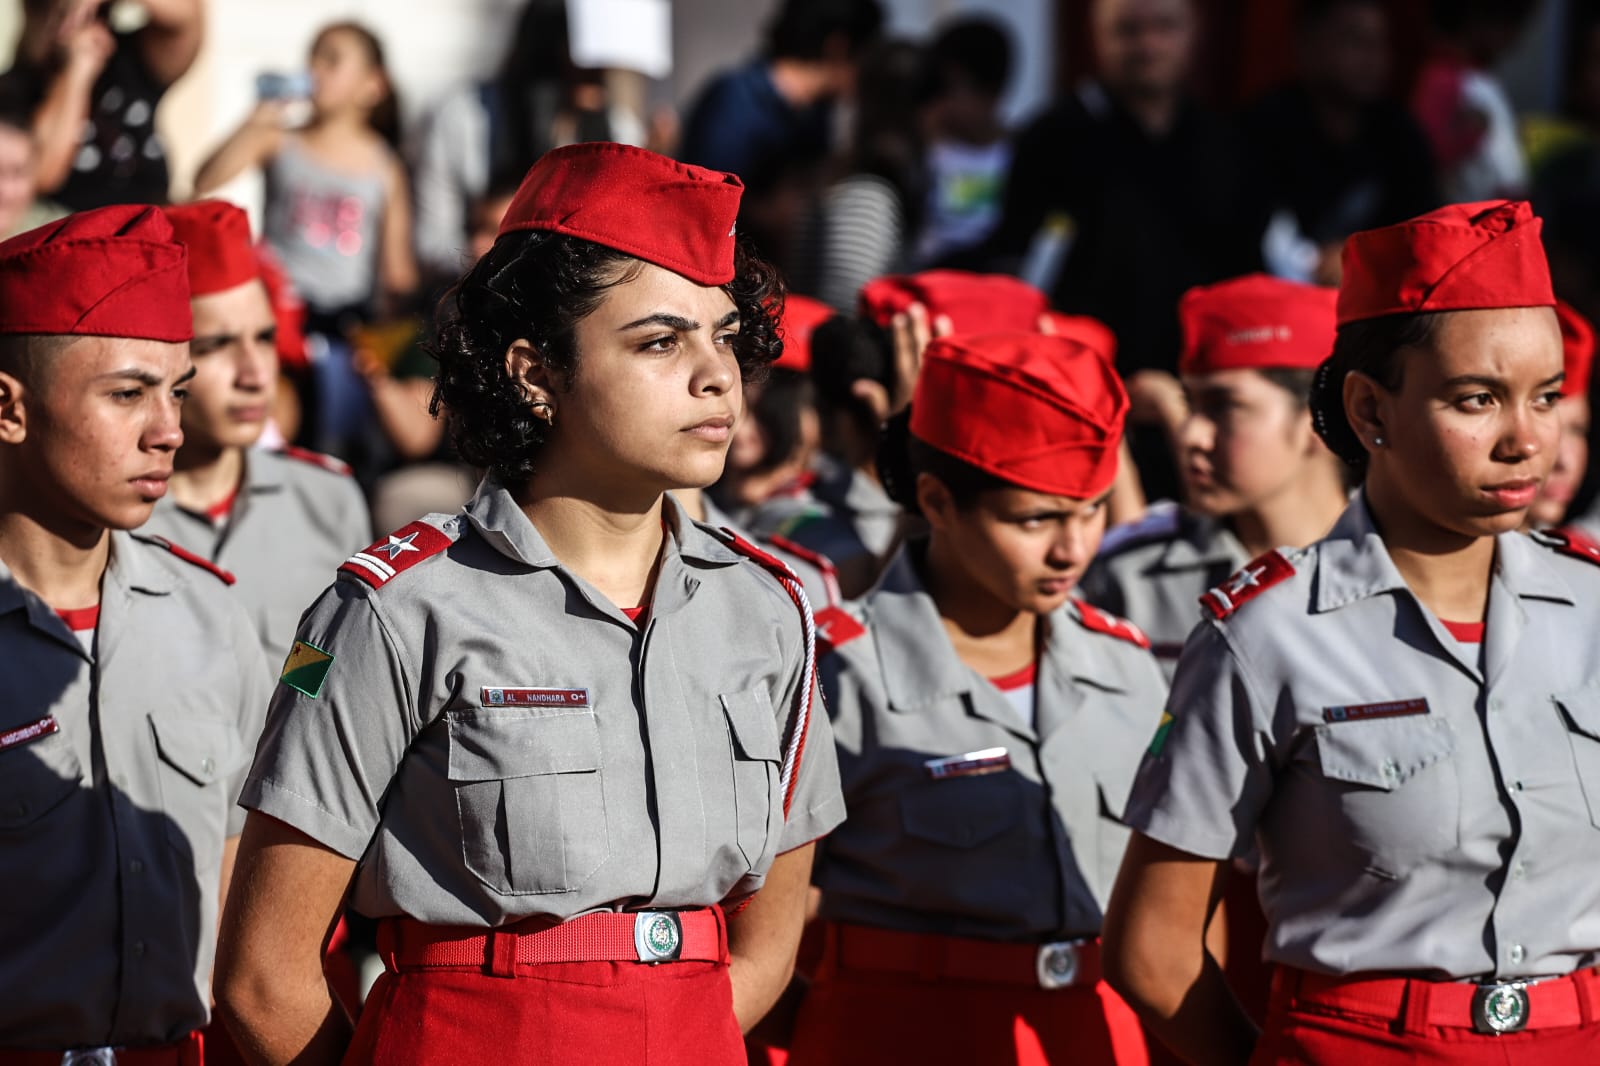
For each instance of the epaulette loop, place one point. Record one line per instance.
(1256, 577)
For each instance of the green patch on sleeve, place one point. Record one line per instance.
(1159, 741)
(306, 668)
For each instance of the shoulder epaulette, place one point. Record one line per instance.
(1158, 523)
(836, 627)
(326, 462)
(800, 726)
(399, 551)
(1570, 541)
(830, 573)
(1256, 577)
(190, 557)
(1100, 622)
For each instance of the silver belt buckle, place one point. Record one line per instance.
(657, 936)
(92, 1056)
(1501, 1008)
(1056, 964)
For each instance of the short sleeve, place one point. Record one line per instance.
(1206, 778)
(340, 720)
(817, 806)
(255, 692)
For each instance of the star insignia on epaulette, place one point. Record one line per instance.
(397, 545)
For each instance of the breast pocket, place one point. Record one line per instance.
(529, 798)
(36, 777)
(1393, 789)
(1582, 712)
(195, 756)
(962, 812)
(756, 760)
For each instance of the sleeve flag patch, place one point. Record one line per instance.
(306, 668)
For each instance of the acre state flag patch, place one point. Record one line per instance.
(306, 668)
(1159, 741)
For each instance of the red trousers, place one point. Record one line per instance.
(1300, 1032)
(566, 1014)
(855, 1017)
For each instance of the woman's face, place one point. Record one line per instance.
(1472, 431)
(342, 73)
(1026, 549)
(656, 391)
(1572, 459)
(1246, 440)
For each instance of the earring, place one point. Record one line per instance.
(1377, 442)
(546, 413)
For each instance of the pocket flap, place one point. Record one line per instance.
(35, 778)
(1383, 752)
(962, 812)
(1582, 709)
(201, 749)
(752, 724)
(495, 745)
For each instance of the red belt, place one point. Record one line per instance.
(1553, 1003)
(186, 1052)
(1064, 964)
(630, 936)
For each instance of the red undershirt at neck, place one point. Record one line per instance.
(81, 619)
(1017, 679)
(633, 613)
(1465, 632)
(223, 507)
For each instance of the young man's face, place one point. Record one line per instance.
(236, 368)
(89, 428)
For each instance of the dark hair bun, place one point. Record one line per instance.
(895, 468)
(1327, 414)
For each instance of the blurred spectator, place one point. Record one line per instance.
(490, 132)
(20, 211)
(337, 213)
(93, 90)
(1566, 188)
(969, 150)
(1126, 194)
(1463, 108)
(769, 120)
(861, 226)
(1337, 153)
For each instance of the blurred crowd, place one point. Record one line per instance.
(863, 153)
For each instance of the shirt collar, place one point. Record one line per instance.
(1202, 541)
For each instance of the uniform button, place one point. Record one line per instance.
(206, 765)
(1520, 870)
(1495, 705)
(135, 866)
(138, 948)
(1391, 768)
(1517, 785)
(1515, 953)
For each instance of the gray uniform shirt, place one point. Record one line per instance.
(494, 739)
(118, 772)
(1415, 812)
(856, 518)
(1028, 853)
(293, 522)
(1154, 571)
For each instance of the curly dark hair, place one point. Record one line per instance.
(1374, 347)
(538, 286)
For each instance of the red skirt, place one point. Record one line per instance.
(865, 1017)
(567, 1014)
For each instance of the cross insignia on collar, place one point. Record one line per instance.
(398, 545)
(1246, 579)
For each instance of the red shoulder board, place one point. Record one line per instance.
(327, 462)
(836, 627)
(1574, 542)
(198, 560)
(1109, 624)
(1258, 575)
(830, 574)
(400, 550)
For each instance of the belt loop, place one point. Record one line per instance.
(502, 953)
(193, 1052)
(722, 932)
(1414, 1008)
(1588, 988)
(388, 943)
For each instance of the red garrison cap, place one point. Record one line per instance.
(1577, 349)
(801, 316)
(974, 303)
(653, 208)
(1044, 413)
(111, 272)
(1085, 330)
(1458, 258)
(288, 310)
(217, 236)
(1256, 322)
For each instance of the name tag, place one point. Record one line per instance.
(970, 764)
(1357, 712)
(534, 697)
(24, 734)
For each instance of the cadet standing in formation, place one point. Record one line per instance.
(1405, 715)
(1255, 474)
(281, 521)
(134, 685)
(548, 739)
(988, 724)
